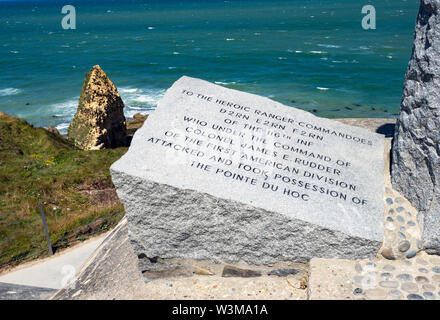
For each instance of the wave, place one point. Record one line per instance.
(126, 90)
(328, 45)
(225, 83)
(345, 61)
(62, 127)
(139, 100)
(65, 108)
(9, 92)
(136, 100)
(64, 111)
(135, 108)
(321, 88)
(133, 95)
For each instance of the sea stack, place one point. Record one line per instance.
(416, 149)
(99, 121)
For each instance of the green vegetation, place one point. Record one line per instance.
(37, 165)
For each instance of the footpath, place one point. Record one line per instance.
(43, 278)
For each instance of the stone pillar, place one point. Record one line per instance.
(415, 167)
(99, 121)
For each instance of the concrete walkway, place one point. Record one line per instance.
(16, 292)
(53, 272)
(113, 273)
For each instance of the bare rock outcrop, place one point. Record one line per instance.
(416, 147)
(99, 121)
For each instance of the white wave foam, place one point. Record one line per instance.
(328, 45)
(65, 112)
(321, 88)
(317, 52)
(135, 108)
(136, 96)
(345, 61)
(136, 100)
(9, 92)
(128, 90)
(62, 127)
(225, 83)
(65, 108)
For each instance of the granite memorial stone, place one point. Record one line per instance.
(415, 154)
(224, 175)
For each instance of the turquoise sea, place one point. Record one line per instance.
(311, 54)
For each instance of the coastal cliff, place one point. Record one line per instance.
(74, 186)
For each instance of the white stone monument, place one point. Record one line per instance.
(222, 175)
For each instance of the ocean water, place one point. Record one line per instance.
(311, 54)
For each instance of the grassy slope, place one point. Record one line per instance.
(36, 165)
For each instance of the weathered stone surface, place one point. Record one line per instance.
(201, 181)
(387, 253)
(328, 277)
(416, 148)
(231, 271)
(202, 271)
(112, 273)
(99, 121)
(282, 272)
(376, 294)
(9, 291)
